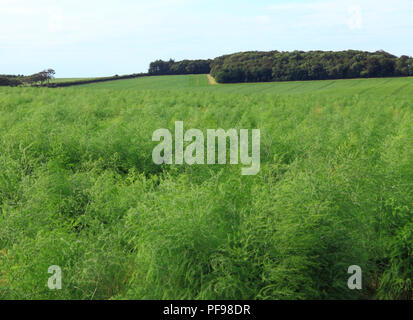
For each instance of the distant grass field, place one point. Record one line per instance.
(155, 82)
(360, 86)
(58, 80)
(79, 189)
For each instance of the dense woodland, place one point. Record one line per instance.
(171, 67)
(313, 65)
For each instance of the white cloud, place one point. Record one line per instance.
(352, 14)
(355, 20)
(55, 21)
(47, 22)
(263, 19)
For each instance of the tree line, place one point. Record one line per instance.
(40, 78)
(43, 79)
(313, 65)
(96, 80)
(171, 67)
(260, 66)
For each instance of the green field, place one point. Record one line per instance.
(79, 189)
(58, 80)
(156, 83)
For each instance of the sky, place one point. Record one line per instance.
(91, 38)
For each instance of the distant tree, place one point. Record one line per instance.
(32, 79)
(402, 66)
(41, 77)
(160, 67)
(50, 73)
(373, 67)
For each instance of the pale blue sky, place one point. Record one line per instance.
(80, 38)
